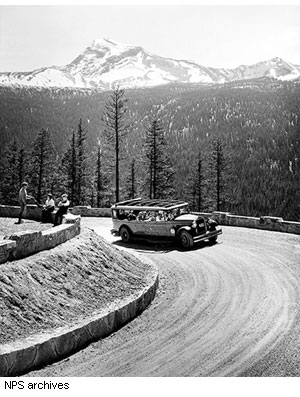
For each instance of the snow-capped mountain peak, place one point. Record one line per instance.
(106, 63)
(106, 47)
(110, 46)
(104, 42)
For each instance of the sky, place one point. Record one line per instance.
(34, 36)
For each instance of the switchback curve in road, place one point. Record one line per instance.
(229, 309)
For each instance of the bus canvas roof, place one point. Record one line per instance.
(149, 205)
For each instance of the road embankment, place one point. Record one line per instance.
(57, 301)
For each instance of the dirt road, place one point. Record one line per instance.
(231, 309)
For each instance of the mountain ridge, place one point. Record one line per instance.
(105, 64)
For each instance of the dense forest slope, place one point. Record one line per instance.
(258, 120)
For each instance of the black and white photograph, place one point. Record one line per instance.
(149, 193)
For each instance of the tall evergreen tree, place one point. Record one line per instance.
(219, 164)
(72, 170)
(21, 165)
(160, 173)
(115, 131)
(131, 181)
(100, 179)
(81, 164)
(196, 184)
(42, 166)
(11, 181)
(68, 171)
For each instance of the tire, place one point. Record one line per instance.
(186, 240)
(125, 234)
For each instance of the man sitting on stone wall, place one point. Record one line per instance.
(63, 206)
(48, 207)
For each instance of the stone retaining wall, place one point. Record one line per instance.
(89, 211)
(224, 218)
(35, 213)
(264, 222)
(22, 356)
(32, 212)
(34, 352)
(7, 248)
(21, 244)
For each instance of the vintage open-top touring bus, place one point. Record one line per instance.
(145, 218)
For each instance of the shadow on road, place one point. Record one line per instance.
(161, 246)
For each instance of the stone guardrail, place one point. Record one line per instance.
(34, 352)
(272, 223)
(87, 211)
(31, 353)
(35, 213)
(21, 244)
(224, 218)
(32, 212)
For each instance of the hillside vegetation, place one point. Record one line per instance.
(66, 285)
(258, 120)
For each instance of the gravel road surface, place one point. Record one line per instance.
(229, 309)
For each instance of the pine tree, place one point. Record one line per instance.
(115, 132)
(220, 175)
(72, 169)
(11, 181)
(196, 184)
(101, 181)
(42, 166)
(21, 165)
(68, 171)
(160, 173)
(80, 165)
(131, 181)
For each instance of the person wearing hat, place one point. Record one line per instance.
(23, 197)
(48, 207)
(63, 206)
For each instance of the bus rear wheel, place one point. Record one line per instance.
(125, 234)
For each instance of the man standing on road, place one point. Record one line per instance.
(23, 196)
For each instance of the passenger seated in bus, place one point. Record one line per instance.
(184, 210)
(176, 212)
(141, 216)
(169, 216)
(150, 216)
(160, 216)
(131, 216)
(122, 215)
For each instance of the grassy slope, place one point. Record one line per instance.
(61, 286)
